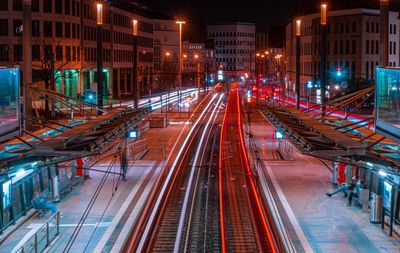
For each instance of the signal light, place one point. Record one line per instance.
(339, 71)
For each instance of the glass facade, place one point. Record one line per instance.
(9, 86)
(16, 198)
(387, 109)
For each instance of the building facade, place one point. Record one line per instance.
(352, 47)
(234, 47)
(166, 53)
(66, 32)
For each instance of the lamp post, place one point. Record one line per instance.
(197, 58)
(167, 55)
(99, 58)
(384, 33)
(324, 7)
(135, 88)
(180, 23)
(298, 34)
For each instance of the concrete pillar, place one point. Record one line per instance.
(27, 61)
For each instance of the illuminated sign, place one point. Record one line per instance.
(387, 196)
(133, 134)
(6, 194)
(220, 75)
(309, 85)
(278, 135)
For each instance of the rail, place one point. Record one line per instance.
(43, 237)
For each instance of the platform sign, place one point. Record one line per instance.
(387, 195)
(220, 75)
(278, 135)
(133, 134)
(9, 102)
(6, 193)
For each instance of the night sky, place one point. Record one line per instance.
(264, 13)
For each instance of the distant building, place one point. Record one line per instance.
(352, 47)
(261, 41)
(193, 62)
(234, 46)
(166, 53)
(66, 31)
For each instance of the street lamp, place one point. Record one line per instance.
(180, 23)
(99, 20)
(298, 34)
(197, 57)
(324, 7)
(135, 87)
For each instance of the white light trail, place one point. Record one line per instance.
(169, 176)
(189, 186)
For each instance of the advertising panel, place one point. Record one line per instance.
(9, 102)
(6, 192)
(387, 196)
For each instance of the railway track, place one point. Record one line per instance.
(182, 219)
(206, 199)
(243, 224)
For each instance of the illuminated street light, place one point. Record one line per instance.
(99, 13)
(167, 54)
(99, 58)
(324, 7)
(196, 56)
(135, 87)
(298, 27)
(298, 34)
(134, 27)
(185, 56)
(180, 23)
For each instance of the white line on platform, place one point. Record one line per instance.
(117, 218)
(99, 224)
(295, 223)
(119, 243)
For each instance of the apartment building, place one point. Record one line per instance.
(353, 44)
(65, 30)
(234, 46)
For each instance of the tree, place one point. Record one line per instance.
(47, 65)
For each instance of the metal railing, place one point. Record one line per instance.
(43, 237)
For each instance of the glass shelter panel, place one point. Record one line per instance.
(387, 101)
(9, 85)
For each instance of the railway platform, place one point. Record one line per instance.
(315, 222)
